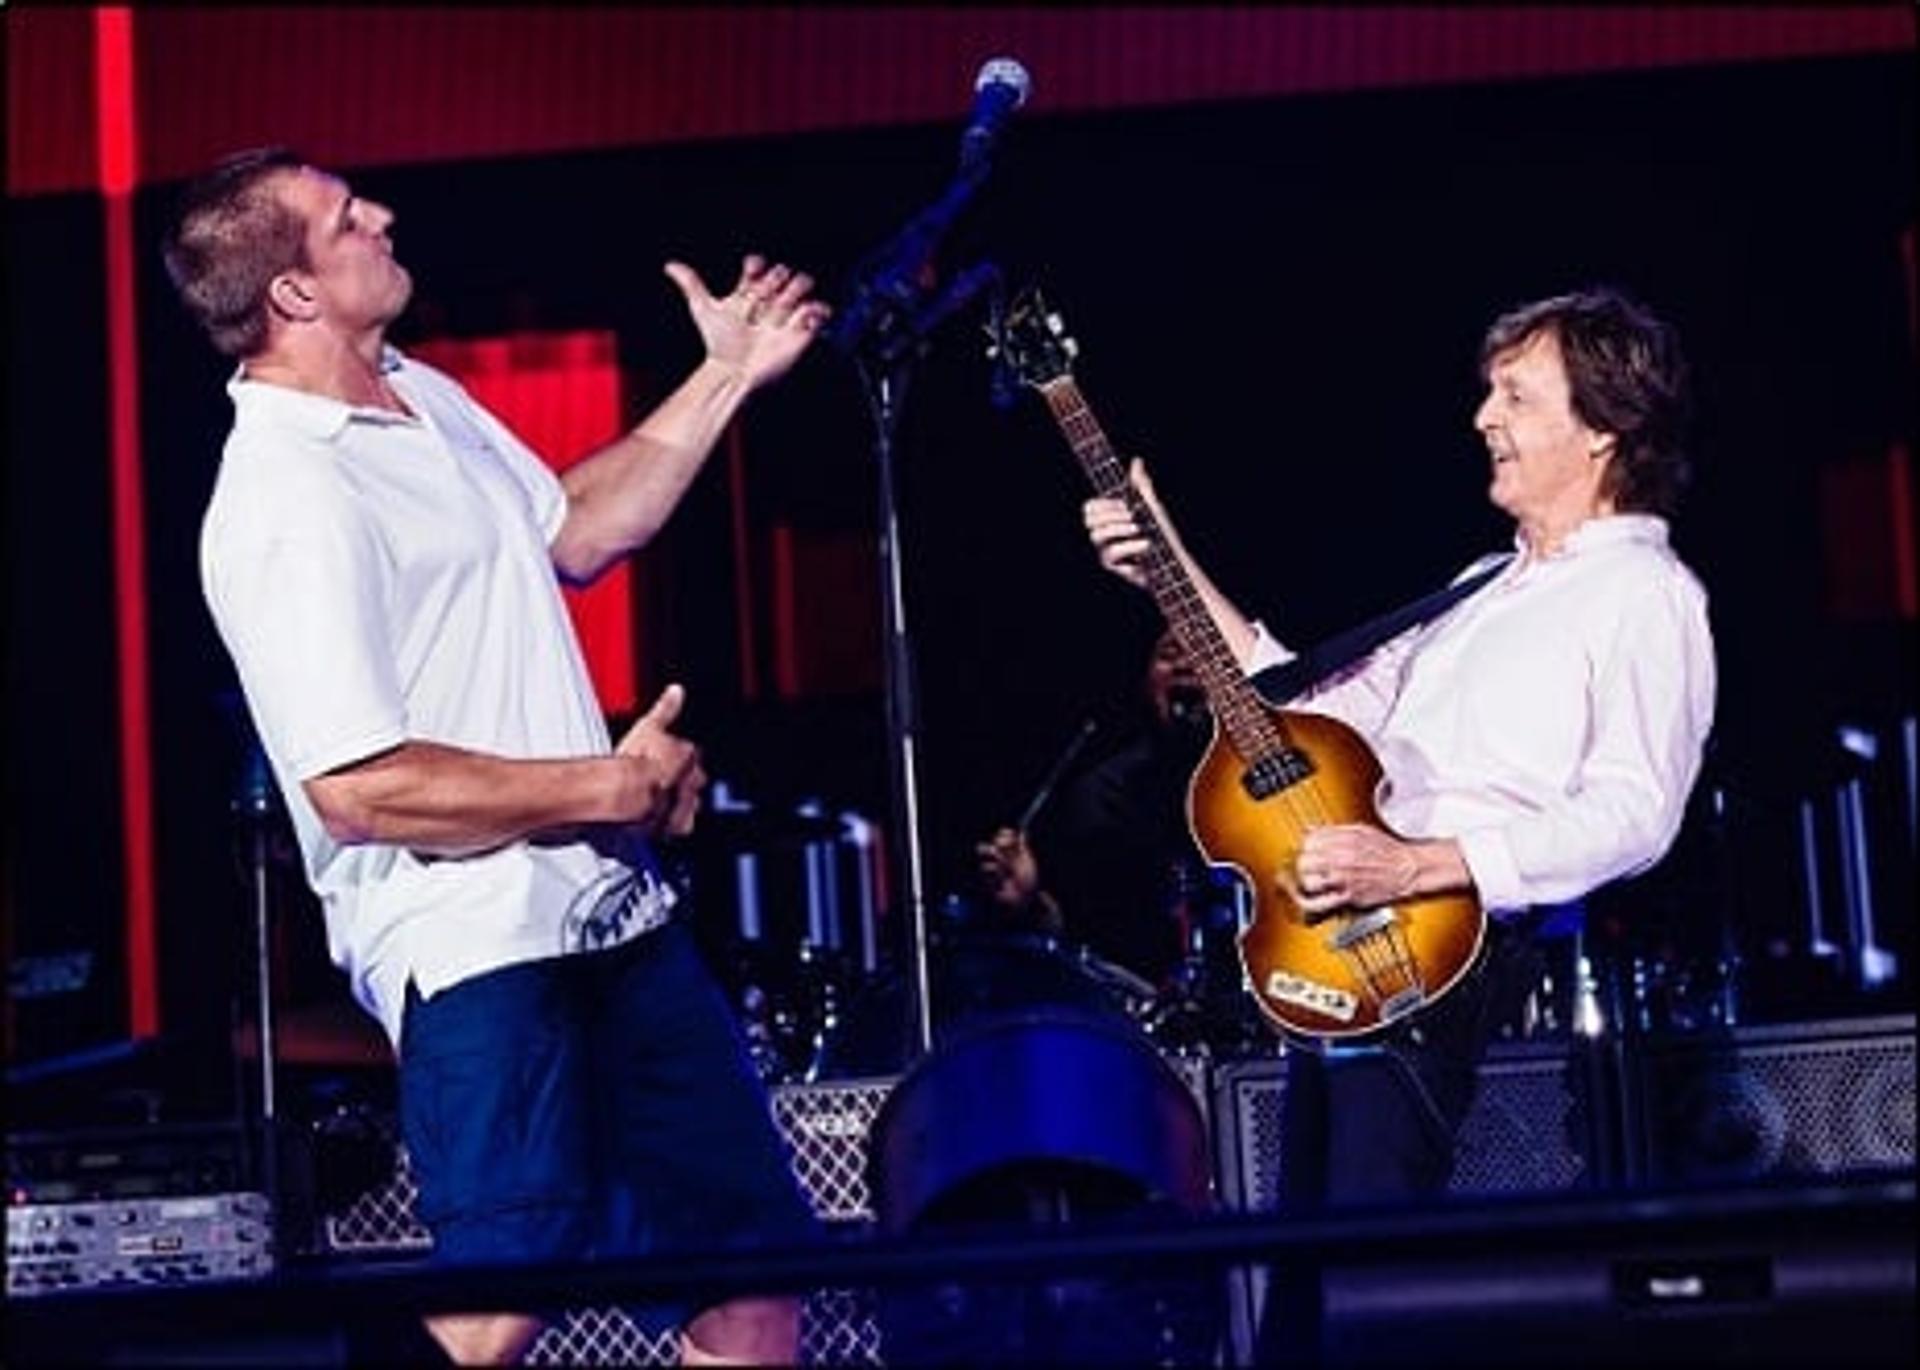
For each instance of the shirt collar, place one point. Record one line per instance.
(1605, 531)
(319, 416)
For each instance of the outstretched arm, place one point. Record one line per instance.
(620, 496)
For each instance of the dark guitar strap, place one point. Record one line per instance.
(1277, 684)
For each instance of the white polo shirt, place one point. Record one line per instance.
(377, 579)
(1552, 722)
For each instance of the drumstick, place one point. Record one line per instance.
(1045, 792)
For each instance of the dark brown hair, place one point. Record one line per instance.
(1627, 378)
(229, 237)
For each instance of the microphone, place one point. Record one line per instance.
(999, 89)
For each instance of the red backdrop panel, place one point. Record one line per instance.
(561, 392)
(358, 86)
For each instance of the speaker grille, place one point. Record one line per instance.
(1810, 1099)
(1526, 1131)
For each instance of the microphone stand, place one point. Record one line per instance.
(253, 807)
(884, 327)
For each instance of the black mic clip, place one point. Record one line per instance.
(891, 283)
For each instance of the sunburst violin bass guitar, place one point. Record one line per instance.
(1266, 777)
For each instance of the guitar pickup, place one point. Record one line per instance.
(1275, 772)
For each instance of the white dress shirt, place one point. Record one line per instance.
(1552, 723)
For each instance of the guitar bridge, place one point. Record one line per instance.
(1375, 947)
(1276, 771)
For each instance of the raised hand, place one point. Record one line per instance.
(763, 325)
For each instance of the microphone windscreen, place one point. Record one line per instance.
(1005, 71)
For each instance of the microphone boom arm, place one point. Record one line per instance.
(886, 284)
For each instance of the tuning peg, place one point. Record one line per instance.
(1072, 348)
(1056, 325)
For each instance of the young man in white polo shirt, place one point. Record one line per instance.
(382, 559)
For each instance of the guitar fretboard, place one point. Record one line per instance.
(1255, 732)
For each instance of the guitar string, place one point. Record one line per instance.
(1246, 727)
(1256, 735)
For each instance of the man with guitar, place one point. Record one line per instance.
(1534, 741)
(381, 556)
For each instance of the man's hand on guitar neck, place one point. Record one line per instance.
(1123, 548)
(1358, 866)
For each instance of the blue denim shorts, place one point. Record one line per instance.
(593, 1105)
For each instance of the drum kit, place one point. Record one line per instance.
(789, 909)
(789, 905)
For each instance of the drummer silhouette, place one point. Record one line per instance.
(1108, 862)
(1093, 898)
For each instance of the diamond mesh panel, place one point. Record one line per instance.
(602, 1336)
(840, 1327)
(825, 1127)
(837, 1327)
(381, 1219)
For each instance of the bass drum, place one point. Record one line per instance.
(1033, 1118)
(975, 975)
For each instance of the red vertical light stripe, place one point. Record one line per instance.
(742, 564)
(118, 173)
(1900, 497)
(786, 632)
(113, 92)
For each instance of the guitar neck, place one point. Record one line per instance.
(1234, 702)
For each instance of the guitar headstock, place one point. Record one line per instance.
(1032, 340)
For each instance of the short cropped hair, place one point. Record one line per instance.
(229, 237)
(1627, 377)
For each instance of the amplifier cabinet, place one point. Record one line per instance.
(1530, 1130)
(1817, 1098)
